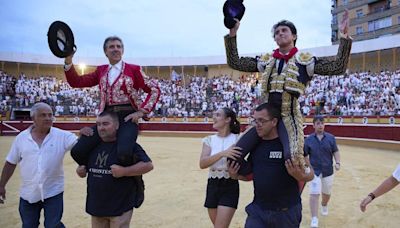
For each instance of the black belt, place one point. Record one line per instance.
(120, 108)
(275, 208)
(268, 208)
(280, 209)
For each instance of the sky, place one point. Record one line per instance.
(159, 28)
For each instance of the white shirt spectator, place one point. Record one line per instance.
(217, 144)
(41, 168)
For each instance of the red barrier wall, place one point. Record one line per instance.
(366, 131)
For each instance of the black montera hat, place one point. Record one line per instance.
(61, 39)
(233, 9)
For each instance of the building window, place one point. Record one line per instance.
(378, 9)
(359, 30)
(359, 13)
(371, 26)
(334, 19)
(379, 24)
(345, 2)
(334, 36)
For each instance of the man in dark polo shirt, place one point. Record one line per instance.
(112, 190)
(321, 146)
(276, 201)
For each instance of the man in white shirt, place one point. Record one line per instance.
(40, 151)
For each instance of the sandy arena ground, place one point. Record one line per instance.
(175, 189)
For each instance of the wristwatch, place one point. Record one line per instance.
(372, 195)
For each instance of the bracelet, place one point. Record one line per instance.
(372, 195)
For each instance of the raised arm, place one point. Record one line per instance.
(76, 81)
(246, 64)
(337, 65)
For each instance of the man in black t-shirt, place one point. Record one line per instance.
(276, 201)
(112, 190)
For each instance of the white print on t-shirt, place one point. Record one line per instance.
(275, 154)
(101, 160)
(100, 171)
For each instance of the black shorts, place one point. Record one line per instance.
(222, 192)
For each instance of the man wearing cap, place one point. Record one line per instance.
(285, 74)
(40, 151)
(321, 146)
(121, 85)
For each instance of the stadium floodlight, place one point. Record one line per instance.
(82, 66)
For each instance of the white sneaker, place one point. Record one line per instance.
(324, 210)
(314, 222)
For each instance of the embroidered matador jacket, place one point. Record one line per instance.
(126, 89)
(283, 90)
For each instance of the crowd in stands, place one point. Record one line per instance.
(23, 92)
(358, 94)
(200, 96)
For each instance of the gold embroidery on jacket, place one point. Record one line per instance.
(104, 98)
(118, 95)
(304, 58)
(286, 81)
(154, 93)
(288, 85)
(133, 93)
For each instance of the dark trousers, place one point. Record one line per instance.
(53, 210)
(126, 139)
(277, 218)
(250, 140)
